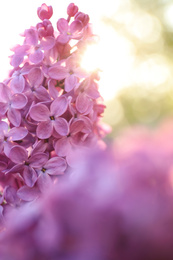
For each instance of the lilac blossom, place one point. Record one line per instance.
(50, 119)
(46, 112)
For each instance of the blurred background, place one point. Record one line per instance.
(134, 53)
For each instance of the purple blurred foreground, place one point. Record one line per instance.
(117, 204)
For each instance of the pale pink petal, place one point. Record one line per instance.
(63, 38)
(61, 126)
(76, 26)
(44, 129)
(17, 84)
(39, 112)
(70, 83)
(28, 194)
(36, 57)
(17, 133)
(59, 106)
(18, 101)
(63, 146)
(62, 25)
(58, 72)
(30, 176)
(31, 37)
(38, 160)
(14, 116)
(18, 154)
(47, 43)
(83, 103)
(35, 77)
(55, 166)
(16, 60)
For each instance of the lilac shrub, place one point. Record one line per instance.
(49, 106)
(116, 205)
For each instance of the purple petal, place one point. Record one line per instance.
(17, 84)
(28, 194)
(5, 93)
(70, 83)
(30, 176)
(53, 92)
(76, 126)
(42, 94)
(44, 181)
(38, 160)
(16, 169)
(16, 60)
(36, 57)
(3, 128)
(11, 195)
(44, 129)
(14, 116)
(83, 103)
(35, 77)
(58, 72)
(17, 133)
(18, 101)
(63, 146)
(3, 108)
(61, 126)
(62, 25)
(18, 154)
(31, 37)
(39, 112)
(47, 43)
(59, 106)
(55, 166)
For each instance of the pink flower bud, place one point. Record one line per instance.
(44, 12)
(84, 18)
(72, 9)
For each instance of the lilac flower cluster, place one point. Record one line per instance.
(117, 205)
(49, 106)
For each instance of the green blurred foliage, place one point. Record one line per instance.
(143, 103)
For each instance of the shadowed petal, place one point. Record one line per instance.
(18, 154)
(44, 129)
(14, 116)
(27, 193)
(38, 160)
(55, 166)
(29, 176)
